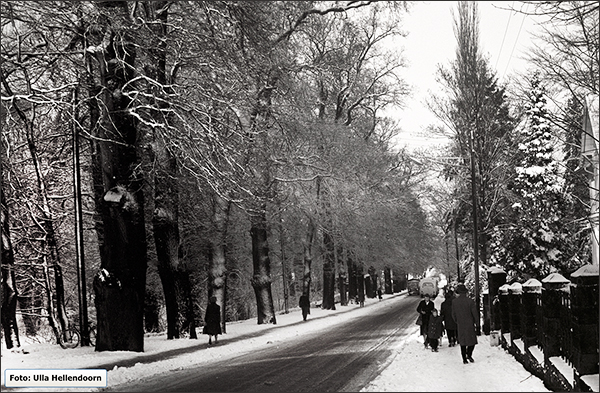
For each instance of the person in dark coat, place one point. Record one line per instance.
(213, 320)
(449, 322)
(424, 308)
(435, 330)
(305, 306)
(466, 315)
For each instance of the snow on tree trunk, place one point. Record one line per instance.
(9, 293)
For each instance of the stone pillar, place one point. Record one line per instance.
(532, 289)
(584, 321)
(496, 278)
(552, 285)
(504, 309)
(514, 298)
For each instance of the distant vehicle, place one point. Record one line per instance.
(413, 286)
(429, 286)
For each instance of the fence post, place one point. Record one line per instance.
(496, 278)
(552, 286)
(531, 289)
(514, 298)
(504, 311)
(486, 312)
(584, 322)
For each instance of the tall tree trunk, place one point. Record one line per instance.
(352, 280)
(307, 244)
(372, 284)
(120, 285)
(342, 276)
(9, 294)
(165, 225)
(186, 285)
(360, 283)
(328, 272)
(217, 267)
(284, 271)
(166, 197)
(261, 280)
(387, 277)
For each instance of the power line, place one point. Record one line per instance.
(505, 30)
(516, 40)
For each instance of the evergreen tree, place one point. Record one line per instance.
(537, 236)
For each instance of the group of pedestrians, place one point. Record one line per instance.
(458, 318)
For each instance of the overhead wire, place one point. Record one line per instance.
(503, 38)
(516, 40)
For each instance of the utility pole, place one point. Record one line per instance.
(475, 224)
(82, 293)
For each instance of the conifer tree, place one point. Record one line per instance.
(537, 236)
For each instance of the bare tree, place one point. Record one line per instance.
(9, 292)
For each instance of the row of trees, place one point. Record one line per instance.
(520, 197)
(196, 124)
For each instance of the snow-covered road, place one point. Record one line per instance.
(411, 367)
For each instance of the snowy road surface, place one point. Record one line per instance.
(410, 368)
(340, 357)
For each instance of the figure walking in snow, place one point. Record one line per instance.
(466, 315)
(449, 322)
(435, 330)
(424, 308)
(305, 306)
(213, 320)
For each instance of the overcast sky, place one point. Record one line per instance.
(504, 38)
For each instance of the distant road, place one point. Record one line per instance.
(345, 357)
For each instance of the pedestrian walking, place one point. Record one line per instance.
(466, 315)
(435, 330)
(424, 308)
(213, 320)
(449, 322)
(305, 306)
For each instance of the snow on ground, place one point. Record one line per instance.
(416, 369)
(412, 369)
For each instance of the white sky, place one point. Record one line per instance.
(504, 38)
(411, 369)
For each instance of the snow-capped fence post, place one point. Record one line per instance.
(531, 327)
(584, 322)
(496, 278)
(504, 313)
(532, 288)
(552, 287)
(514, 298)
